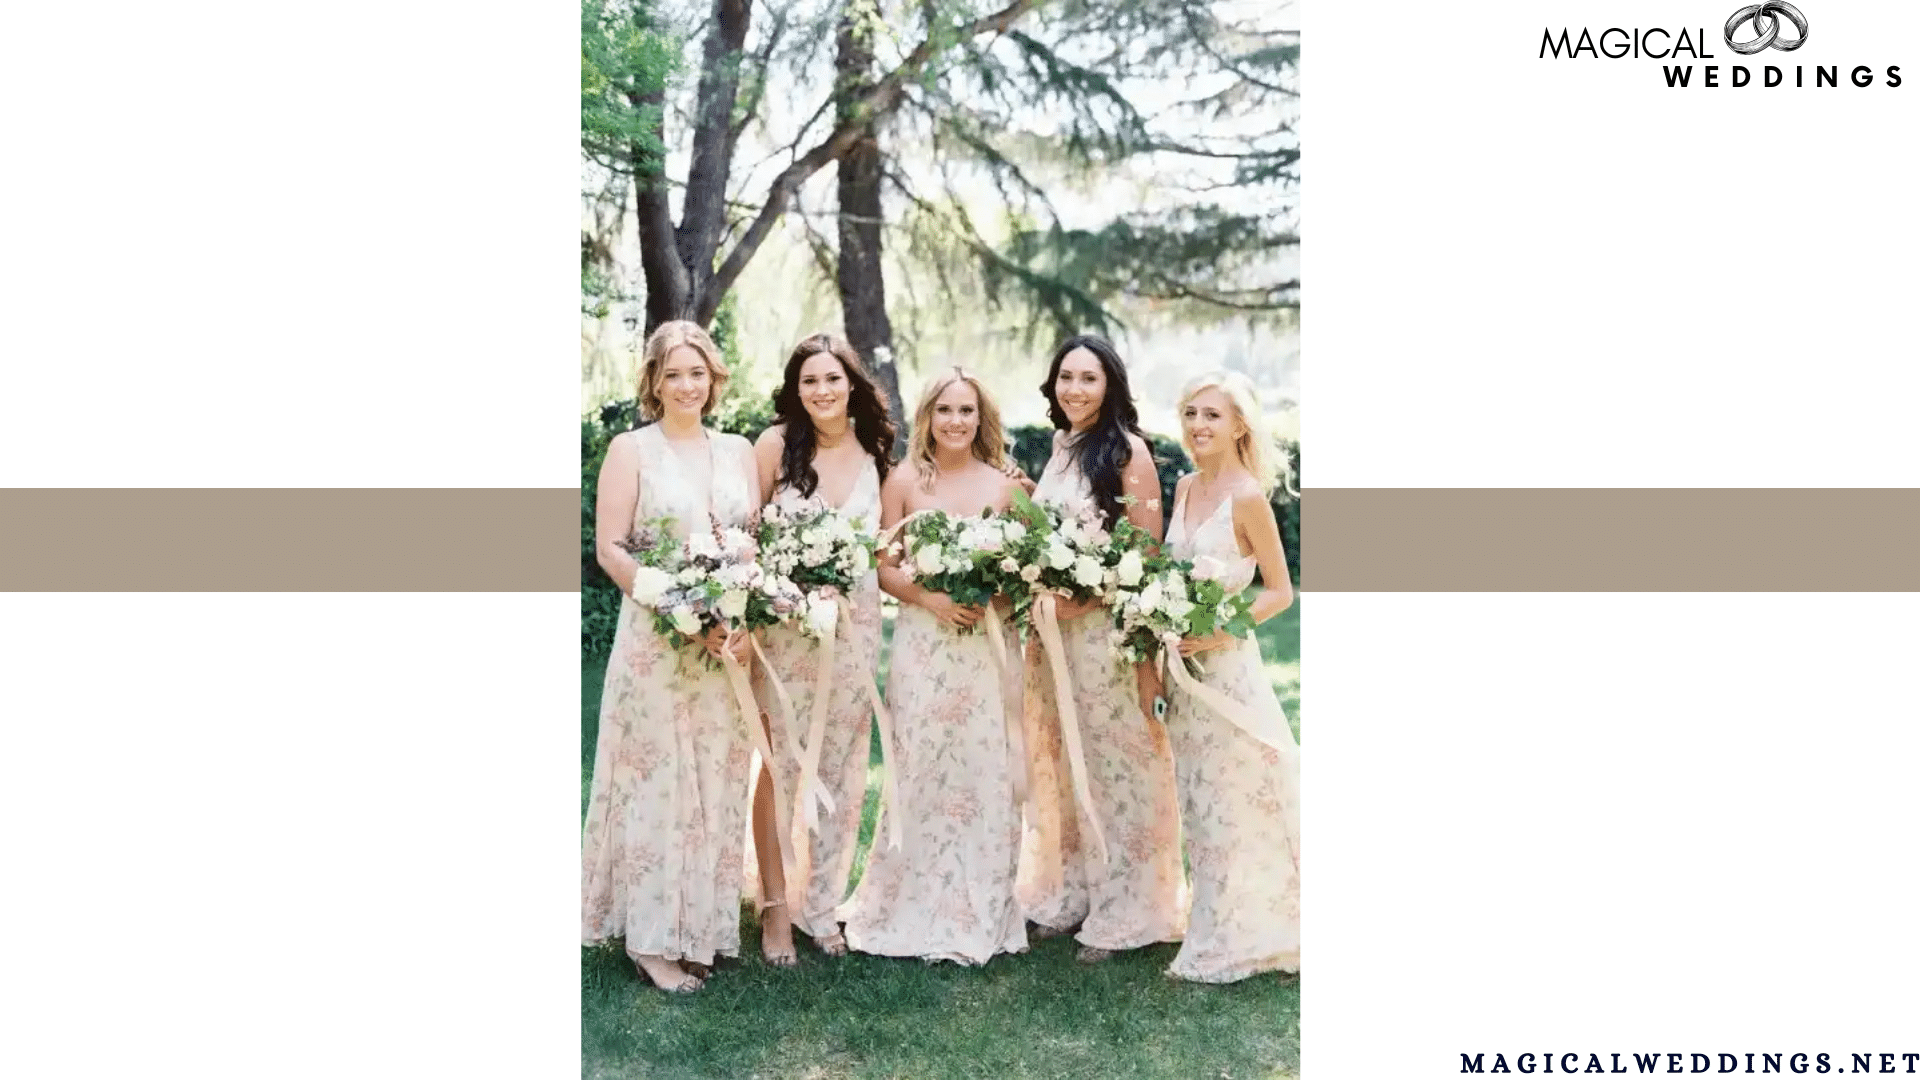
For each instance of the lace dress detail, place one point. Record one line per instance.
(1234, 793)
(662, 846)
(1137, 897)
(794, 657)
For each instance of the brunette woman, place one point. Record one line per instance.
(831, 443)
(1135, 896)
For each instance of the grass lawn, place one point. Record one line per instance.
(1037, 1015)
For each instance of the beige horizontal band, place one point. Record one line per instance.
(1610, 540)
(1354, 540)
(289, 539)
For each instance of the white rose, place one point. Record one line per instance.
(1131, 568)
(929, 559)
(1177, 607)
(1059, 555)
(1007, 565)
(842, 530)
(1029, 574)
(958, 564)
(648, 583)
(1015, 532)
(691, 574)
(986, 539)
(821, 617)
(733, 603)
(685, 621)
(702, 545)
(1087, 572)
(812, 537)
(1150, 596)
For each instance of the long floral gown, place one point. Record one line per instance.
(947, 892)
(1239, 798)
(666, 820)
(1137, 897)
(794, 657)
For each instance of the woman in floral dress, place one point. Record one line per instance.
(1135, 897)
(1239, 789)
(831, 442)
(661, 855)
(947, 893)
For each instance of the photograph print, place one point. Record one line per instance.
(940, 538)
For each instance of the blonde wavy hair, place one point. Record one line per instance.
(667, 337)
(989, 439)
(1256, 448)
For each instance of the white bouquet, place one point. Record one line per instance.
(823, 552)
(713, 579)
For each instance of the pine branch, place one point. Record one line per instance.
(881, 99)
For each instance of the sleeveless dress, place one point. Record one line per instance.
(1234, 790)
(666, 819)
(947, 893)
(1137, 897)
(844, 748)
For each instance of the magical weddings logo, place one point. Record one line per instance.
(1766, 22)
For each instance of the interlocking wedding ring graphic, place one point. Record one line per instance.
(1766, 22)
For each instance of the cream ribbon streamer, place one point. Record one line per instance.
(888, 789)
(1047, 621)
(813, 794)
(791, 725)
(743, 697)
(1016, 738)
(1271, 731)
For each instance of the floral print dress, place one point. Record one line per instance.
(1237, 796)
(947, 892)
(1137, 896)
(666, 818)
(794, 658)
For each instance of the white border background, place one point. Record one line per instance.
(321, 834)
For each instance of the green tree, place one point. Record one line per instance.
(1095, 94)
(626, 61)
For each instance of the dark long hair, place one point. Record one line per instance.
(1103, 451)
(866, 408)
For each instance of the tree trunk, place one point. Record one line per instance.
(677, 261)
(669, 292)
(703, 215)
(863, 292)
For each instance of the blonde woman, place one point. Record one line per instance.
(666, 820)
(947, 892)
(1239, 794)
(831, 441)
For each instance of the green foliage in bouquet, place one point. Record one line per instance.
(958, 556)
(1072, 556)
(815, 546)
(1169, 599)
